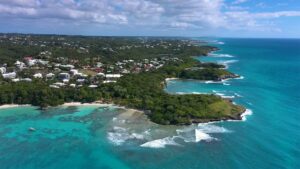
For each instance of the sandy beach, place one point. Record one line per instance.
(6, 106)
(86, 104)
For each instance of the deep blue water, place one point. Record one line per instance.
(98, 137)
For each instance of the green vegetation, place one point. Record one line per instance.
(143, 91)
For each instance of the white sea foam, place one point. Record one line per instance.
(241, 77)
(210, 81)
(216, 42)
(220, 55)
(160, 143)
(227, 62)
(197, 93)
(182, 93)
(238, 95)
(210, 128)
(119, 135)
(200, 132)
(228, 97)
(248, 112)
(226, 84)
(200, 135)
(219, 94)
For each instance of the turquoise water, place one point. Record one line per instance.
(108, 137)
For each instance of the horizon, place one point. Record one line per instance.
(169, 18)
(153, 36)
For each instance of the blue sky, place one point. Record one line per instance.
(222, 18)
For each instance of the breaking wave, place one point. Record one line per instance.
(160, 143)
(220, 55)
(226, 63)
(248, 112)
(119, 135)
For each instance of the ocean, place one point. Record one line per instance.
(101, 137)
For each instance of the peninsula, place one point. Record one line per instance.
(49, 70)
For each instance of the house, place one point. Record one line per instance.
(54, 86)
(11, 75)
(63, 76)
(30, 61)
(69, 67)
(72, 85)
(93, 86)
(59, 84)
(80, 81)
(112, 76)
(101, 74)
(65, 80)
(2, 70)
(38, 75)
(19, 65)
(42, 62)
(73, 72)
(50, 75)
(26, 80)
(99, 64)
(15, 80)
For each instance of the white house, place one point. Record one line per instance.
(74, 71)
(101, 74)
(63, 76)
(2, 70)
(50, 75)
(11, 75)
(93, 86)
(67, 66)
(31, 62)
(59, 84)
(80, 80)
(26, 80)
(19, 65)
(72, 85)
(113, 76)
(15, 80)
(54, 86)
(38, 75)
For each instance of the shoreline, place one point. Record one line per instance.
(241, 116)
(7, 106)
(86, 104)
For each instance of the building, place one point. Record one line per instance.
(93, 86)
(38, 75)
(19, 65)
(73, 72)
(2, 70)
(112, 78)
(68, 67)
(50, 76)
(63, 76)
(11, 75)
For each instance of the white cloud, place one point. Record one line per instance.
(239, 2)
(187, 14)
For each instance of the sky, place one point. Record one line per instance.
(193, 18)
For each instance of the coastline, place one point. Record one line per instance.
(7, 106)
(87, 104)
(129, 111)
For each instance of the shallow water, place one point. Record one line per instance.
(109, 137)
